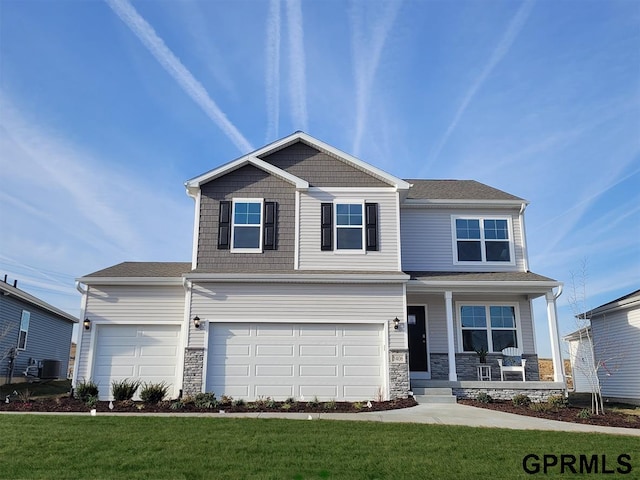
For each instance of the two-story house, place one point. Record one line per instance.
(315, 274)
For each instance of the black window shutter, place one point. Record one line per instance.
(224, 225)
(371, 213)
(326, 226)
(270, 225)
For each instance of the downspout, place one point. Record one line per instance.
(525, 252)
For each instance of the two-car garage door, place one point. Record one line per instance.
(148, 353)
(327, 361)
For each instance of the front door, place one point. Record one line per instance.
(418, 355)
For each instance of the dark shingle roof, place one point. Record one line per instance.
(479, 276)
(144, 269)
(456, 190)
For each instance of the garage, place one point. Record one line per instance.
(327, 361)
(148, 353)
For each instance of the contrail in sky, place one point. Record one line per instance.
(177, 70)
(501, 50)
(273, 70)
(298, 79)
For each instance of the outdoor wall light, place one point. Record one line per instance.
(396, 323)
(196, 321)
(87, 324)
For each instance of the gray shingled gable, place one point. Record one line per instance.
(144, 269)
(456, 190)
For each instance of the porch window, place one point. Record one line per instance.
(482, 240)
(489, 327)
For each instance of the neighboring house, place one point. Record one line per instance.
(615, 336)
(32, 334)
(582, 362)
(315, 274)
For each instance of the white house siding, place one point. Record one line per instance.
(127, 304)
(299, 303)
(616, 337)
(437, 318)
(427, 240)
(312, 258)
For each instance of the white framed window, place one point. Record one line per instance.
(492, 327)
(349, 226)
(24, 330)
(246, 229)
(482, 240)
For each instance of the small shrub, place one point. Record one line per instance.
(290, 401)
(271, 403)
(484, 397)
(584, 413)
(177, 405)
(330, 405)
(226, 400)
(91, 401)
(558, 401)
(86, 389)
(358, 406)
(314, 403)
(206, 400)
(24, 396)
(285, 406)
(153, 392)
(124, 389)
(238, 402)
(541, 407)
(521, 400)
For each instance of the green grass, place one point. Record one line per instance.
(37, 446)
(45, 388)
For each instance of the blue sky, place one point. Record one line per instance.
(106, 108)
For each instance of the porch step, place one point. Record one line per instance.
(433, 395)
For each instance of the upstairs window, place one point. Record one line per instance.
(24, 330)
(491, 327)
(349, 226)
(483, 240)
(246, 231)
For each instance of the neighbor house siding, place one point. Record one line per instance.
(48, 337)
(427, 240)
(300, 303)
(127, 304)
(246, 182)
(616, 339)
(320, 169)
(313, 258)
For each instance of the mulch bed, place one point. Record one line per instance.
(566, 414)
(66, 404)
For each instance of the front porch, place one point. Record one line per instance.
(537, 391)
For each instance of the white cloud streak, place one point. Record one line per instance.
(273, 69)
(297, 69)
(172, 64)
(514, 28)
(366, 51)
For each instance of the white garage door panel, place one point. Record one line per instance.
(146, 353)
(328, 361)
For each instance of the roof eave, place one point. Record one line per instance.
(130, 280)
(423, 202)
(528, 287)
(297, 278)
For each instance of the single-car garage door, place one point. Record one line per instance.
(148, 353)
(328, 361)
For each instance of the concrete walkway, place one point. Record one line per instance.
(442, 414)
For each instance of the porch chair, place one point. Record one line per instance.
(512, 361)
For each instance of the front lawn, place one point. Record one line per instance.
(40, 446)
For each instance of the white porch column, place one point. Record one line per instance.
(552, 317)
(453, 376)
